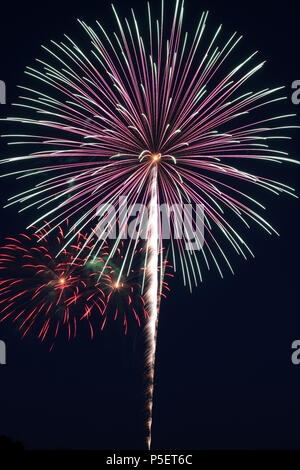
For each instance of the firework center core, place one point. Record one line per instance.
(156, 157)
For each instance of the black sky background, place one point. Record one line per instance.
(224, 377)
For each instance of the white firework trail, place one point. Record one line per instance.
(152, 296)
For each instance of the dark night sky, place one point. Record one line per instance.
(224, 376)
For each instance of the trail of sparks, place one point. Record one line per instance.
(152, 294)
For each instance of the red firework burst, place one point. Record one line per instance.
(46, 289)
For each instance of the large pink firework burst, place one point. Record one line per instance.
(106, 117)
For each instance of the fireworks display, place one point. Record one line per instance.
(163, 118)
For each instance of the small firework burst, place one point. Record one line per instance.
(47, 293)
(123, 287)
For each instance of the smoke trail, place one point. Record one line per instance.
(152, 300)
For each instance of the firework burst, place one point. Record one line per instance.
(132, 103)
(45, 293)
